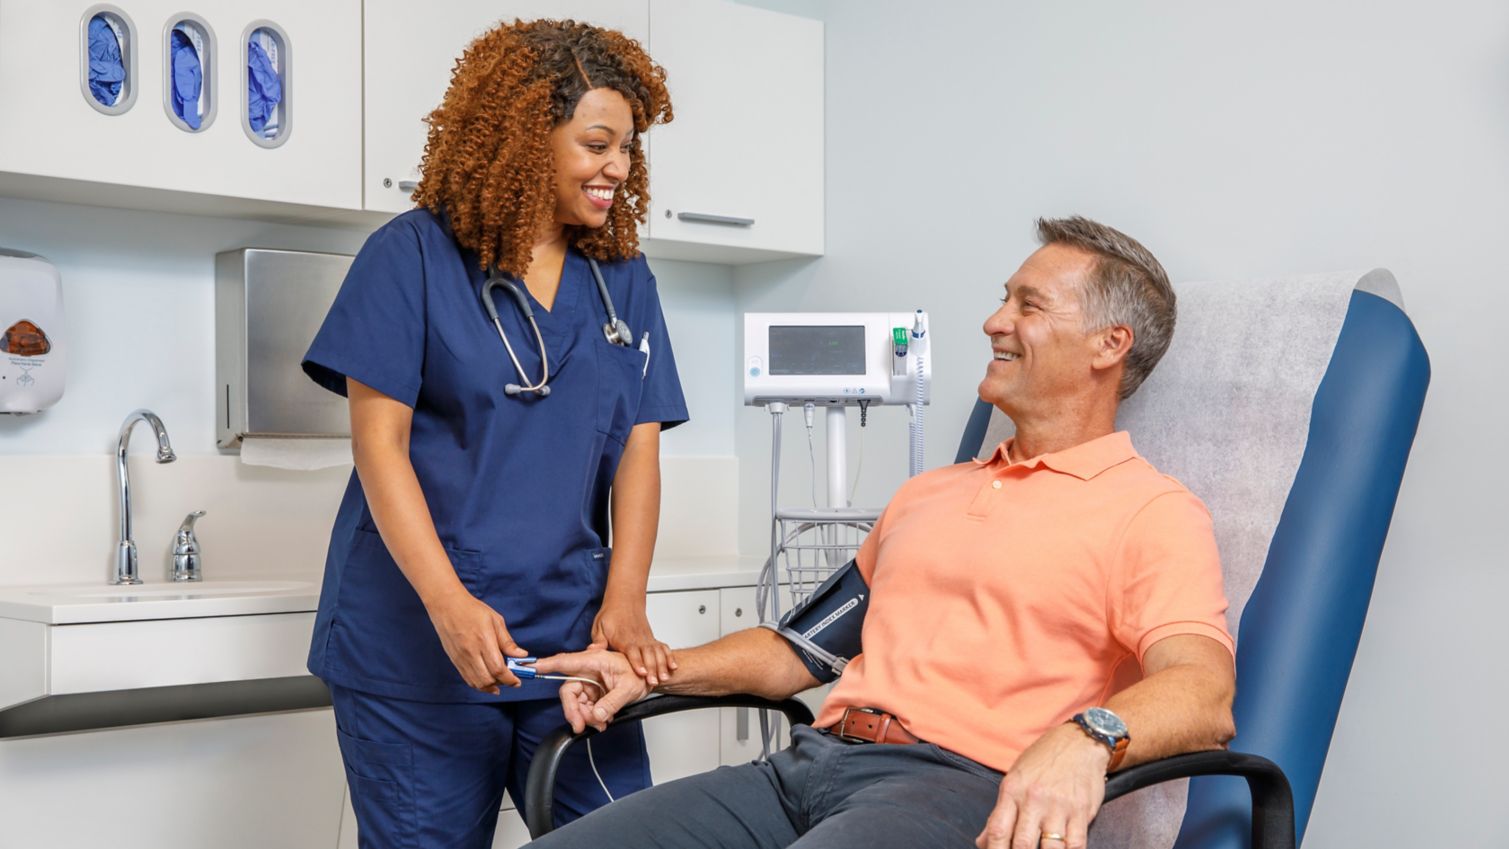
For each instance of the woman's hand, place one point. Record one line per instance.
(476, 639)
(625, 628)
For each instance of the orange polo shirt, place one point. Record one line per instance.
(1006, 597)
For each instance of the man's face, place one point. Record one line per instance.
(1041, 354)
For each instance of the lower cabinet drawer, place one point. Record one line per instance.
(168, 652)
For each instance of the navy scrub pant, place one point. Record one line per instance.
(821, 793)
(427, 775)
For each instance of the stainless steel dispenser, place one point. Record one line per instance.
(268, 306)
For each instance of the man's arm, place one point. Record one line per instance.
(1182, 704)
(755, 660)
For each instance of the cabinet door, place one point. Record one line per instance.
(683, 744)
(741, 166)
(739, 728)
(51, 130)
(236, 783)
(411, 51)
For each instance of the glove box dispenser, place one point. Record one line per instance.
(268, 306)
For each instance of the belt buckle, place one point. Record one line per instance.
(843, 724)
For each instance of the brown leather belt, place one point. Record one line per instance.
(868, 725)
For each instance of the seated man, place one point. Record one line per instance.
(1011, 602)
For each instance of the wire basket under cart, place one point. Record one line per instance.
(807, 547)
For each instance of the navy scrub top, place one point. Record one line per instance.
(517, 486)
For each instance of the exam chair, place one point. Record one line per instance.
(1289, 406)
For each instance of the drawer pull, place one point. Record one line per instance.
(708, 218)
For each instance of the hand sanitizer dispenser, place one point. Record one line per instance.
(32, 334)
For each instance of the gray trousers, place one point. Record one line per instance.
(821, 793)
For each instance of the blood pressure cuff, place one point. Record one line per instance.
(824, 630)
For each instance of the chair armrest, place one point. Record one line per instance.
(1272, 800)
(539, 789)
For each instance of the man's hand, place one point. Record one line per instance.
(626, 629)
(584, 704)
(476, 639)
(1055, 788)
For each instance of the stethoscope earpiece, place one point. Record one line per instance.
(616, 331)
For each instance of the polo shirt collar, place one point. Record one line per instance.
(1084, 461)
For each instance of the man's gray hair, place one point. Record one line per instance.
(1127, 286)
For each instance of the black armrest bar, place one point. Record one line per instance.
(1272, 800)
(539, 790)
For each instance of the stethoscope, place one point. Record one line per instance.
(615, 331)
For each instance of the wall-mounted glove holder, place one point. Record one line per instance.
(266, 93)
(107, 59)
(189, 54)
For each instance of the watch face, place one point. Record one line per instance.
(1105, 722)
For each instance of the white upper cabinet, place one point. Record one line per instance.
(737, 176)
(59, 139)
(411, 51)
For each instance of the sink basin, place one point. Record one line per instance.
(66, 604)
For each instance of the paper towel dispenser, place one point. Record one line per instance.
(268, 306)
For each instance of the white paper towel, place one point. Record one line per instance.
(294, 453)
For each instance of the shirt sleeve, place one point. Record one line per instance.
(869, 550)
(375, 329)
(661, 399)
(1168, 576)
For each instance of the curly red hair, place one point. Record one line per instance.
(487, 163)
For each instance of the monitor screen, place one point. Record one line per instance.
(817, 349)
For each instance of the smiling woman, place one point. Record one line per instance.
(441, 569)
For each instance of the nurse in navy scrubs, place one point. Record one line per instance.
(491, 457)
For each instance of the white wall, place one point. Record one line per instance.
(1236, 141)
(139, 293)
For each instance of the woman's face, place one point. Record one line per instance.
(591, 157)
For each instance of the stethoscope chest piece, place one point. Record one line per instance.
(618, 333)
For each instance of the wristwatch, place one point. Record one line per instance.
(1106, 728)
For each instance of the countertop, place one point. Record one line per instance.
(71, 604)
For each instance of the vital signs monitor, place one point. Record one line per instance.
(836, 359)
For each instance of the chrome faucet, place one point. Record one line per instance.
(125, 555)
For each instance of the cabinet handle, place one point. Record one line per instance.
(701, 608)
(738, 611)
(708, 218)
(408, 186)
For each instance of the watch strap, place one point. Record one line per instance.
(1118, 752)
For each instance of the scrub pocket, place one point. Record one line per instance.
(620, 382)
(381, 638)
(380, 777)
(368, 546)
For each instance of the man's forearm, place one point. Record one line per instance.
(755, 660)
(1182, 707)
